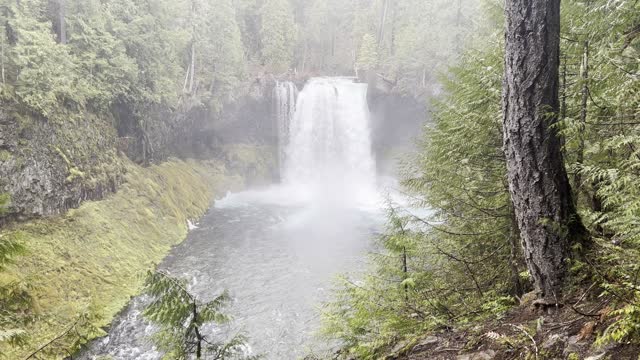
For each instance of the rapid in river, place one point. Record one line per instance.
(277, 250)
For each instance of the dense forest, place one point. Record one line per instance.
(465, 264)
(59, 57)
(522, 229)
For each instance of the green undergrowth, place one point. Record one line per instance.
(88, 263)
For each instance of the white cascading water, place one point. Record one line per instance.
(328, 157)
(276, 249)
(284, 98)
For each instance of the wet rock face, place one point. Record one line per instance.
(195, 130)
(47, 168)
(396, 120)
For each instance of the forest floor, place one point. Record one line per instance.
(526, 332)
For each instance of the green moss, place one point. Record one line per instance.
(5, 201)
(4, 155)
(255, 162)
(92, 259)
(74, 173)
(20, 162)
(63, 156)
(25, 121)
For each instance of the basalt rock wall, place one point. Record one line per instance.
(48, 167)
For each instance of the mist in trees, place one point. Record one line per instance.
(94, 54)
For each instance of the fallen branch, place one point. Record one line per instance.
(65, 333)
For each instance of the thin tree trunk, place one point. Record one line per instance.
(459, 27)
(538, 180)
(61, 20)
(563, 101)
(563, 92)
(405, 270)
(394, 21)
(192, 74)
(186, 79)
(424, 76)
(383, 20)
(199, 337)
(193, 66)
(583, 116)
(304, 57)
(213, 81)
(596, 204)
(2, 60)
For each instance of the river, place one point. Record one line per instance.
(277, 250)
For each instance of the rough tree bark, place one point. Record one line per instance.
(538, 180)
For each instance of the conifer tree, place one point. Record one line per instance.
(277, 34)
(368, 53)
(548, 222)
(219, 52)
(15, 301)
(45, 73)
(181, 317)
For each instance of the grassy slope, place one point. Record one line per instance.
(92, 259)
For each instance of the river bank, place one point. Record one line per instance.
(83, 267)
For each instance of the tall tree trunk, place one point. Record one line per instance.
(563, 92)
(304, 57)
(192, 74)
(458, 28)
(538, 180)
(394, 25)
(62, 36)
(199, 337)
(405, 271)
(56, 11)
(583, 116)
(383, 20)
(2, 59)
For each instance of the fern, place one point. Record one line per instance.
(182, 316)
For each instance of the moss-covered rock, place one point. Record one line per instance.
(257, 164)
(49, 167)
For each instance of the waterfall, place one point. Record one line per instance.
(328, 152)
(284, 97)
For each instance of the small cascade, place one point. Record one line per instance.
(284, 100)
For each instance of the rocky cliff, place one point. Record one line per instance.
(48, 167)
